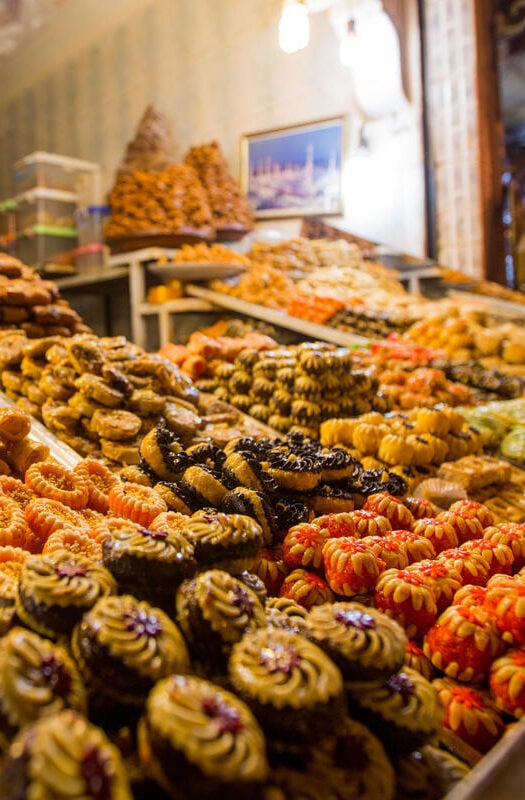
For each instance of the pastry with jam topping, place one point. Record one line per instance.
(404, 712)
(366, 645)
(198, 740)
(292, 687)
(63, 757)
(37, 678)
(57, 589)
(148, 563)
(123, 646)
(224, 541)
(214, 610)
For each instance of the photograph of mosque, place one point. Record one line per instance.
(294, 171)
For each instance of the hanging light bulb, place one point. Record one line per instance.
(294, 26)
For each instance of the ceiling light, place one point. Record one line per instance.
(294, 26)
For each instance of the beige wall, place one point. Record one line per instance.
(79, 85)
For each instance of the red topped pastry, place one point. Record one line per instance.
(472, 567)
(511, 534)
(416, 659)
(407, 598)
(351, 567)
(507, 682)
(441, 534)
(306, 588)
(498, 555)
(442, 578)
(463, 643)
(370, 523)
(420, 507)
(303, 545)
(392, 508)
(470, 714)
(270, 568)
(416, 546)
(385, 547)
(470, 595)
(336, 524)
(466, 527)
(471, 508)
(506, 605)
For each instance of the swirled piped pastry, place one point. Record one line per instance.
(63, 757)
(199, 735)
(289, 683)
(124, 646)
(365, 644)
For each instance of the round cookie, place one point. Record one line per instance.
(224, 541)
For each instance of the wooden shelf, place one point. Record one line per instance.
(279, 318)
(505, 308)
(175, 306)
(89, 278)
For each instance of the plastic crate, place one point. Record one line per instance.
(45, 207)
(52, 171)
(37, 245)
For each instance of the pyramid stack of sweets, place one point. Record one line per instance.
(153, 194)
(297, 387)
(33, 306)
(229, 206)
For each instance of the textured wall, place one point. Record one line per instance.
(453, 118)
(79, 85)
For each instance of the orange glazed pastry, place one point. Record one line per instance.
(74, 542)
(470, 714)
(463, 643)
(407, 598)
(14, 530)
(472, 567)
(99, 480)
(470, 509)
(498, 556)
(441, 534)
(270, 568)
(11, 561)
(138, 503)
(350, 566)
(466, 528)
(392, 508)
(306, 588)
(506, 605)
(507, 682)
(101, 530)
(16, 489)
(443, 579)
(55, 482)
(303, 545)
(370, 523)
(45, 516)
(511, 534)
(416, 547)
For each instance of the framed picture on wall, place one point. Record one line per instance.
(294, 171)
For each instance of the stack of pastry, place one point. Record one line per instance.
(297, 387)
(229, 206)
(152, 194)
(414, 443)
(32, 305)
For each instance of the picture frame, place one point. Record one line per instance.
(294, 171)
